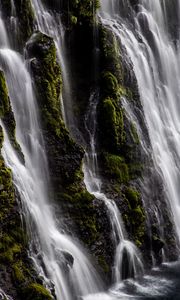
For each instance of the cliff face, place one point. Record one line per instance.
(123, 165)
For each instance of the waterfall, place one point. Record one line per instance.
(124, 248)
(3, 38)
(127, 258)
(153, 46)
(58, 259)
(156, 60)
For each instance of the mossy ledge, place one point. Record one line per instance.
(17, 276)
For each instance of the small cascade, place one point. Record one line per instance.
(3, 37)
(58, 259)
(127, 261)
(4, 296)
(14, 20)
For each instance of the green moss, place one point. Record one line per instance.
(134, 216)
(7, 115)
(82, 212)
(18, 273)
(83, 10)
(111, 116)
(121, 134)
(4, 99)
(133, 196)
(134, 134)
(116, 167)
(48, 82)
(110, 83)
(103, 264)
(37, 292)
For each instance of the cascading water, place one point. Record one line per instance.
(156, 60)
(127, 261)
(60, 257)
(4, 296)
(48, 25)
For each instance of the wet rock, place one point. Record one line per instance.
(69, 259)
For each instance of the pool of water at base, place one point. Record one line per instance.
(159, 284)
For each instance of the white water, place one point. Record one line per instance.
(156, 61)
(3, 36)
(51, 247)
(126, 256)
(4, 296)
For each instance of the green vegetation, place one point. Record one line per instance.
(135, 215)
(116, 168)
(7, 115)
(38, 292)
(82, 10)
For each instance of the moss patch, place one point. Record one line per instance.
(135, 216)
(7, 115)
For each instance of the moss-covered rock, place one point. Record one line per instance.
(75, 12)
(38, 292)
(7, 115)
(135, 215)
(64, 155)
